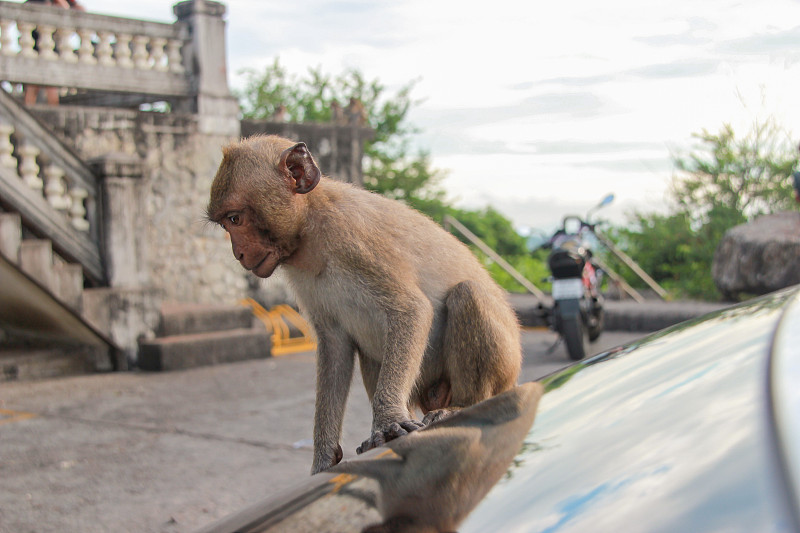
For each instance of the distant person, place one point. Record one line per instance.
(51, 93)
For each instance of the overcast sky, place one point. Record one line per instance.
(541, 108)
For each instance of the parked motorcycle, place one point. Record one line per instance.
(577, 311)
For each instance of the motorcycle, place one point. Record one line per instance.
(577, 311)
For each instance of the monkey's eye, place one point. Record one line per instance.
(235, 219)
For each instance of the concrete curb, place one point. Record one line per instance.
(652, 315)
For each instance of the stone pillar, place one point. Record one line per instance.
(127, 310)
(218, 110)
(123, 228)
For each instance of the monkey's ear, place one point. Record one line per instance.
(300, 165)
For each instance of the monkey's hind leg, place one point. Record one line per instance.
(481, 348)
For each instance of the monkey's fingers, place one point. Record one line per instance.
(435, 416)
(338, 455)
(395, 429)
(407, 426)
(375, 440)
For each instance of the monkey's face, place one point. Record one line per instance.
(252, 246)
(258, 196)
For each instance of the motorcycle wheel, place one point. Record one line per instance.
(596, 325)
(572, 331)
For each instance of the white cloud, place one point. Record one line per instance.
(514, 93)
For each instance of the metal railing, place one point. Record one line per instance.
(514, 273)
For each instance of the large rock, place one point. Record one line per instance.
(759, 257)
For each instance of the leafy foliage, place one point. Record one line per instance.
(730, 181)
(391, 167)
(743, 175)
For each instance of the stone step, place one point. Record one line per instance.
(10, 236)
(63, 279)
(36, 260)
(186, 319)
(25, 364)
(68, 283)
(204, 349)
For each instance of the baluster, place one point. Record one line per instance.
(6, 148)
(77, 212)
(6, 38)
(26, 39)
(65, 50)
(86, 49)
(174, 56)
(28, 169)
(141, 58)
(104, 50)
(157, 53)
(54, 188)
(122, 51)
(46, 43)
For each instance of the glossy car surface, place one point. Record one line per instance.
(695, 428)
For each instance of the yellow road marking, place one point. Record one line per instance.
(388, 453)
(7, 416)
(341, 480)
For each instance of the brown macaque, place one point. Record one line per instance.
(377, 280)
(356, 113)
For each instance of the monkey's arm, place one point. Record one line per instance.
(408, 327)
(335, 361)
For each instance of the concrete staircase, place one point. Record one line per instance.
(192, 335)
(35, 257)
(188, 335)
(33, 344)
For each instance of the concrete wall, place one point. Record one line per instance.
(338, 149)
(183, 258)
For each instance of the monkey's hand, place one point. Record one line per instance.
(394, 430)
(323, 463)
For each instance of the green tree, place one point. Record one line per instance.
(744, 175)
(729, 180)
(492, 228)
(391, 166)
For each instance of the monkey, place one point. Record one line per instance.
(356, 113)
(279, 115)
(337, 113)
(378, 281)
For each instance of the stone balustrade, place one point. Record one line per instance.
(55, 193)
(63, 194)
(52, 46)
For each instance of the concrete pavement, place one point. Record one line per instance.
(171, 452)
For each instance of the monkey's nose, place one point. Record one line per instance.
(238, 254)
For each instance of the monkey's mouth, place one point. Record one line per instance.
(266, 266)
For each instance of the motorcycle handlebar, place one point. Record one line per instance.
(583, 223)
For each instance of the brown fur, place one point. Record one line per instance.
(375, 278)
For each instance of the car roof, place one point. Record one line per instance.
(785, 389)
(671, 433)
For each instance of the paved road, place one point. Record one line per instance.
(170, 452)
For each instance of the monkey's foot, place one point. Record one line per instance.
(436, 415)
(324, 463)
(395, 429)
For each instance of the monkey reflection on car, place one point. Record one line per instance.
(377, 280)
